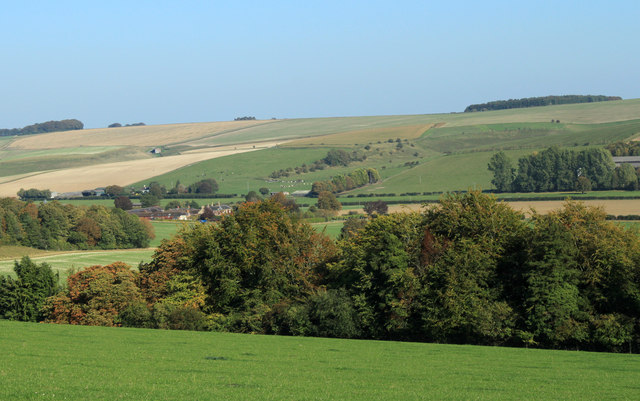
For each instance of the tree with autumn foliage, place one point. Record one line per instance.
(94, 296)
(254, 259)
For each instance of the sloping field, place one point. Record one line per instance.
(365, 136)
(120, 173)
(47, 361)
(149, 135)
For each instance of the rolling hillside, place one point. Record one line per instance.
(451, 150)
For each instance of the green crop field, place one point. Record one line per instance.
(43, 361)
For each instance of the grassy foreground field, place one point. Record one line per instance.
(52, 362)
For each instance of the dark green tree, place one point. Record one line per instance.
(22, 298)
(503, 172)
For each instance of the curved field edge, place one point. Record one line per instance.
(80, 362)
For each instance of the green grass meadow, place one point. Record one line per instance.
(52, 362)
(331, 229)
(66, 262)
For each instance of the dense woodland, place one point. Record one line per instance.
(538, 101)
(470, 270)
(55, 226)
(40, 128)
(556, 169)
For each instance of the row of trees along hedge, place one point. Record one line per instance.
(345, 182)
(624, 148)
(538, 101)
(40, 128)
(64, 227)
(471, 270)
(334, 158)
(557, 169)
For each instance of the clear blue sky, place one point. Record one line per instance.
(187, 61)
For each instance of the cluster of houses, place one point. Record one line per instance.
(158, 213)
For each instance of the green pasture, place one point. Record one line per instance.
(165, 230)
(51, 362)
(243, 172)
(331, 229)
(64, 262)
(526, 135)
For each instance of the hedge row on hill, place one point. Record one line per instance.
(65, 227)
(538, 101)
(346, 182)
(470, 270)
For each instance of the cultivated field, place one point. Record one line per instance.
(119, 173)
(148, 135)
(42, 361)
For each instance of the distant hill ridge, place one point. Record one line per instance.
(41, 128)
(538, 101)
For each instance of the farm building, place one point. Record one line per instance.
(158, 213)
(632, 160)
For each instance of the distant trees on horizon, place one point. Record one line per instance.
(538, 101)
(41, 128)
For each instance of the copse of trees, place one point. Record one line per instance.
(34, 194)
(339, 183)
(64, 227)
(556, 169)
(41, 128)
(538, 101)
